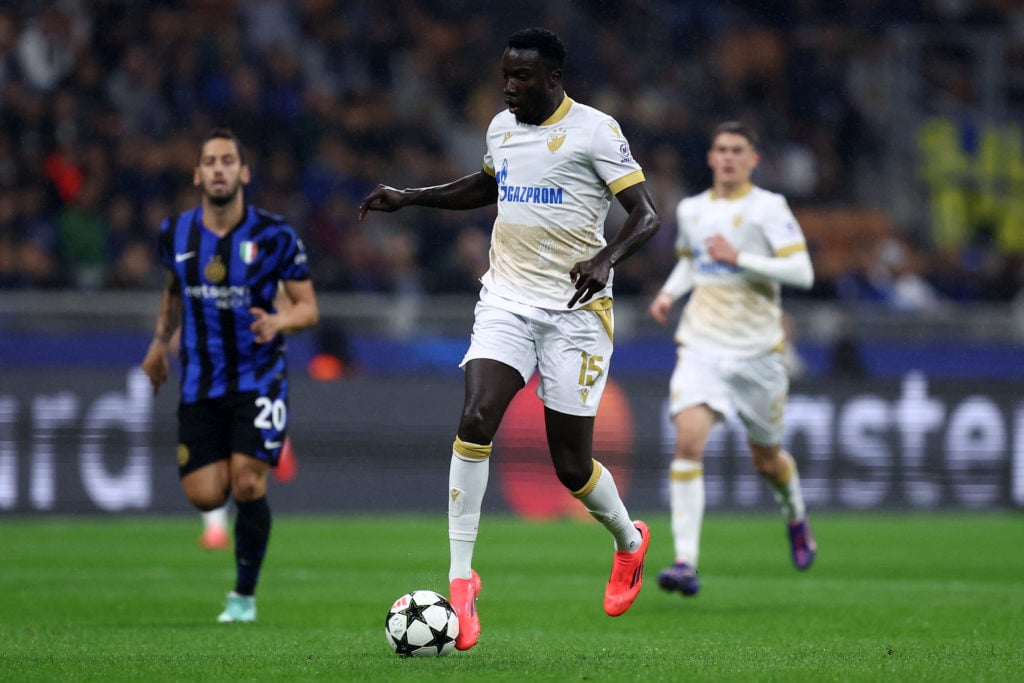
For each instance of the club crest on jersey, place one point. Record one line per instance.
(215, 270)
(247, 251)
(555, 139)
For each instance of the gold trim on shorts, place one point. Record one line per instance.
(603, 308)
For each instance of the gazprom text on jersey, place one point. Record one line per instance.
(529, 195)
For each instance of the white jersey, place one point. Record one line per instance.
(555, 185)
(734, 312)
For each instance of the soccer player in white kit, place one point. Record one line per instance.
(552, 166)
(736, 243)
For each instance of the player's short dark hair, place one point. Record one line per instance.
(224, 134)
(547, 44)
(736, 128)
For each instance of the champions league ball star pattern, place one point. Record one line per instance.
(421, 623)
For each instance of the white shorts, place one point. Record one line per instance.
(571, 350)
(754, 389)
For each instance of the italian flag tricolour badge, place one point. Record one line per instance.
(247, 250)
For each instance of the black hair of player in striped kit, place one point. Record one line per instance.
(547, 44)
(736, 128)
(225, 134)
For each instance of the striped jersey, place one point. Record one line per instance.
(555, 181)
(732, 311)
(221, 279)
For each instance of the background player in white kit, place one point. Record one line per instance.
(736, 244)
(552, 165)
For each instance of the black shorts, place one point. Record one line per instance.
(247, 423)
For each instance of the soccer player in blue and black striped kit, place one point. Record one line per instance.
(226, 260)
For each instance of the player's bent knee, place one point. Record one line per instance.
(248, 487)
(768, 460)
(573, 478)
(474, 426)
(689, 450)
(207, 501)
(247, 491)
(205, 493)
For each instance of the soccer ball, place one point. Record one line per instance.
(421, 623)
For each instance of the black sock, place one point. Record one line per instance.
(252, 531)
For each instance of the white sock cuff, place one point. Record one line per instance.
(217, 517)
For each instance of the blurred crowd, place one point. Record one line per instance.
(103, 103)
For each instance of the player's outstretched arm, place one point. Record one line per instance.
(641, 223)
(470, 192)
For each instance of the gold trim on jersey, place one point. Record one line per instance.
(740, 194)
(489, 171)
(603, 308)
(791, 249)
(684, 253)
(559, 113)
(628, 180)
(591, 483)
(471, 451)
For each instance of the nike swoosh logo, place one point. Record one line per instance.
(178, 258)
(271, 445)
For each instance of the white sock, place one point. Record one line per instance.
(218, 517)
(686, 495)
(601, 498)
(787, 492)
(467, 483)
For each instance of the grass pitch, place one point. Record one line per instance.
(893, 598)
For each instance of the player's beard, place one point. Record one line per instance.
(524, 115)
(529, 115)
(224, 199)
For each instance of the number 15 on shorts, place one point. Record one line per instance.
(590, 369)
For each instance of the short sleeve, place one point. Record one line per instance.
(613, 161)
(294, 262)
(488, 160)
